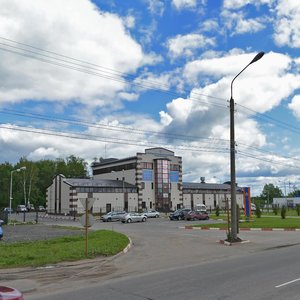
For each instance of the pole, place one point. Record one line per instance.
(234, 226)
(232, 172)
(10, 194)
(86, 227)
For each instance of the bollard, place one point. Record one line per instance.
(9, 293)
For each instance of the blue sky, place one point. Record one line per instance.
(109, 78)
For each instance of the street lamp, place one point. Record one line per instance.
(10, 190)
(233, 236)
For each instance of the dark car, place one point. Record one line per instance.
(179, 214)
(8, 210)
(1, 230)
(196, 215)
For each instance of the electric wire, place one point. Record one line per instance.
(112, 140)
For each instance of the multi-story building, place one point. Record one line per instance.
(157, 174)
(150, 180)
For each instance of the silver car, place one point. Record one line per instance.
(113, 216)
(134, 217)
(152, 213)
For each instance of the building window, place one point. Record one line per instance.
(162, 184)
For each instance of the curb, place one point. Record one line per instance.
(243, 229)
(226, 243)
(126, 249)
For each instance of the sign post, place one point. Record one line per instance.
(87, 219)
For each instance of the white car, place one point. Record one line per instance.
(253, 207)
(134, 217)
(152, 213)
(21, 208)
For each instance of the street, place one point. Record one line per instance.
(167, 261)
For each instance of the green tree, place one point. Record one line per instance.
(269, 192)
(294, 193)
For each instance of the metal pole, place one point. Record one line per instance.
(232, 154)
(10, 194)
(86, 227)
(232, 173)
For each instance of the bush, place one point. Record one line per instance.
(298, 209)
(258, 212)
(275, 209)
(217, 210)
(283, 212)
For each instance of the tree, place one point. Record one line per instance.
(269, 192)
(294, 193)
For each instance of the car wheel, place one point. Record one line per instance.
(109, 220)
(129, 221)
(207, 218)
(156, 216)
(144, 220)
(179, 218)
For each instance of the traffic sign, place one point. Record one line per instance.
(89, 221)
(87, 203)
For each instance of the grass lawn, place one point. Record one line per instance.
(263, 222)
(39, 253)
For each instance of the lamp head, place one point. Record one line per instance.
(257, 57)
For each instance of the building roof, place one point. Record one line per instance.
(109, 161)
(207, 186)
(77, 182)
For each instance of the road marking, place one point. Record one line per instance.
(286, 283)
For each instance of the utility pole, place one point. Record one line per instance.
(233, 234)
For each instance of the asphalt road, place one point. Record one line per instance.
(169, 262)
(272, 274)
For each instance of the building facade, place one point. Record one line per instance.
(150, 180)
(65, 194)
(157, 174)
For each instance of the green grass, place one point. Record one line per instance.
(39, 253)
(263, 222)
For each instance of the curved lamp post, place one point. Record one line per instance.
(232, 155)
(10, 190)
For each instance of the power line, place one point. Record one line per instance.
(112, 127)
(114, 140)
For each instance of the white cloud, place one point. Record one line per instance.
(287, 32)
(156, 7)
(58, 26)
(183, 4)
(262, 86)
(237, 4)
(237, 22)
(294, 106)
(187, 45)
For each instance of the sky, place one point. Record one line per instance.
(110, 78)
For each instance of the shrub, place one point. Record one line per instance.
(217, 210)
(258, 212)
(298, 209)
(283, 211)
(275, 209)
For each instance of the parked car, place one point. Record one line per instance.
(113, 216)
(41, 208)
(21, 208)
(179, 214)
(253, 207)
(152, 214)
(30, 207)
(1, 230)
(197, 215)
(134, 217)
(201, 207)
(8, 210)
(10, 293)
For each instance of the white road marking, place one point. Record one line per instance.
(286, 283)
